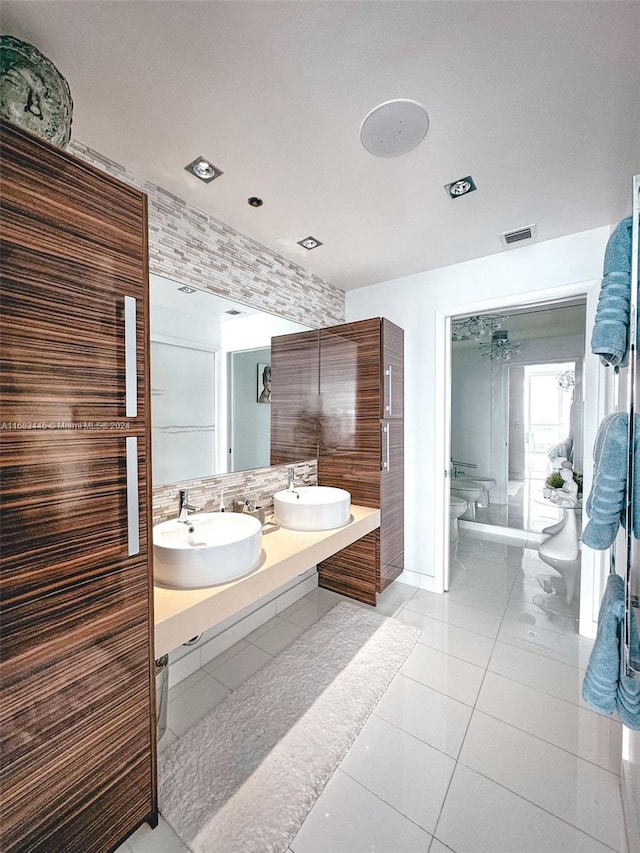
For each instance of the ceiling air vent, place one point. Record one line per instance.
(517, 236)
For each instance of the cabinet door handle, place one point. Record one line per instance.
(130, 358)
(386, 458)
(389, 405)
(133, 507)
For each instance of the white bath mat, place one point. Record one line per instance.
(244, 778)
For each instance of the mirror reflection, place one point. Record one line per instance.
(516, 408)
(210, 382)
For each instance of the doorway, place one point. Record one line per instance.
(597, 393)
(516, 405)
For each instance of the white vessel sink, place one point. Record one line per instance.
(312, 508)
(213, 548)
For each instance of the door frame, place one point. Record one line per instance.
(599, 400)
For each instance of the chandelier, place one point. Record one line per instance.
(500, 347)
(475, 327)
(566, 379)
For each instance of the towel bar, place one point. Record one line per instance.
(632, 664)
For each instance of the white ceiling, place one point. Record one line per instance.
(538, 101)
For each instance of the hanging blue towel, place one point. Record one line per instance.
(610, 337)
(606, 501)
(600, 683)
(605, 686)
(628, 695)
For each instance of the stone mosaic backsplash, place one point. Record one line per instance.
(190, 246)
(259, 485)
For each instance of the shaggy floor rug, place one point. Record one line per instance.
(244, 778)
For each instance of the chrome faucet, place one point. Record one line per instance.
(184, 507)
(291, 478)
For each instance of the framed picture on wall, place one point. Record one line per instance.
(264, 383)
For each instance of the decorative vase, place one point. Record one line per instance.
(33, 93)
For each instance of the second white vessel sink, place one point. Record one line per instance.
(212, 548)
(312, 508)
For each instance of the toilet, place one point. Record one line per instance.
(468, 492)
(457, 507)
(484, 483)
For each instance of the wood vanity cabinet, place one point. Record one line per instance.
(295, 405)
(362, 447)
(77, 699)
(338, 393)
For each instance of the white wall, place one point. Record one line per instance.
(471, 408)
(184, 326)
(412, 302)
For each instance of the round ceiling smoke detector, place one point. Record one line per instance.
(394, 128)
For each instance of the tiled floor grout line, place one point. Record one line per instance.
(382, 799)
(403, 605)
(466, 731)
(538, 806)
(471, 716)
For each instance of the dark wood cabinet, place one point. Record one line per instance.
(347, 381)
(77, 721)
(295, 406)
(362, 399)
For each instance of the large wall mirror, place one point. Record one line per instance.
(210, 382)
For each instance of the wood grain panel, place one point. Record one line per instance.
(393, 358)
(295, 405)
(82, 715)
(61, 486)
(351, 459)
(392, 508)
(71, 237)
(350, 370)
(353, 571)
(77, 722)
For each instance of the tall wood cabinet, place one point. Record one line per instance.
(77, 721)
(342, 390)
(295, 404)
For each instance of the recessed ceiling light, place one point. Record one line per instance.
(233, 312)
(254, 201)
(461, 186)
(203, 169)
(187, 289)
(309, 243)
(394, 128)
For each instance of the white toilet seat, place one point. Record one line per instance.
(467, 492)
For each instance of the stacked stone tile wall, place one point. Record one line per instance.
(206, 494)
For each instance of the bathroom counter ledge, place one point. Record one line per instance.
(182, 613)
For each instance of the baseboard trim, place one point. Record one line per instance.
(417, 579)
(511, 534)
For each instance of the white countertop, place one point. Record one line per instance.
(180, 614)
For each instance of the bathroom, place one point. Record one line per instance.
(226, 248)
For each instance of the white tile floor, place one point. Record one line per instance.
(482, 741)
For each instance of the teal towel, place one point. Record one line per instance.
(600, 682)
(628, 694)
(605, 686)
(610, 337)
(606, 501)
